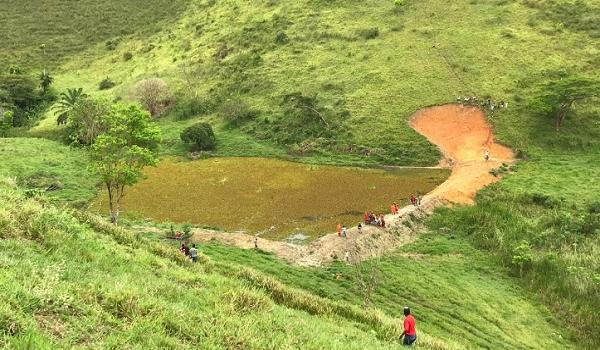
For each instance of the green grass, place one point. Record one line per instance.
(69, 280)
(560, 225)
(66, 28)
(39, 165)
(454, 291)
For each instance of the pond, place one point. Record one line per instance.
(276, 199)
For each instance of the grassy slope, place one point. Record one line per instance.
(38, 164)
(76, 282)
(455, 292)
(66, 28)
(495, 48)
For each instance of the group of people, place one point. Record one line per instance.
(374, 219)
(489, 103)
(416, 199)
(191, 253)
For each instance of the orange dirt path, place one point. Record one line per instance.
(462, 134)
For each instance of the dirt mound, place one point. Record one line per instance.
(462, 134)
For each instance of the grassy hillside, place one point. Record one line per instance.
(41, 165)
(455, 291)
(39, 34)
(368, 64)
(76, 282)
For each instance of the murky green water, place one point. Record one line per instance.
(274, 198)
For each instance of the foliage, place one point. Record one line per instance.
(128, 143)
(19, 91)
(45, 80)
(6, 123)
(557, 98)
(187, 108)
(86, 120)
(106, 84)
(235, 111)
(154, 95)
(67, 100)
(127, 56)
(522, 256)
(369, 33)
(201, 135)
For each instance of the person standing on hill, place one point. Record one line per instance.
(193, 253)
(359, 228)
(410, 333)
(486, 155)
(338, 228)
(344, 231)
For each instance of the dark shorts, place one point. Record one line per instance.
(409, 339)
(194, 258)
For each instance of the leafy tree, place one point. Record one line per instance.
(558, 97)
(45, 80)
(6, 123)
(127, 145)
(86, 120)
(201, 135)
(66, 102)
(154, 95)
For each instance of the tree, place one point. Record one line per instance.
(86, 120)
(201, 135)
(154, 95)
(127, 145)
(66, 102)
(45, 80)
(367, 276)
(558, 97)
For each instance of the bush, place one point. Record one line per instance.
(127, 56)
(201, 135)
(189, 108)
(154, 95)
(106, 84)
(235, 111)
(370, 33)
(6, 123)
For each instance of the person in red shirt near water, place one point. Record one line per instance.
(410, 333)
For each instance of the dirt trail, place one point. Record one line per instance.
(461, 133)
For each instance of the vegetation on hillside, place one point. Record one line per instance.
(72, 280)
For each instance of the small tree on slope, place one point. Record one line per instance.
(128, 144)
(557, 98)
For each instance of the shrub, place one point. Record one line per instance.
(188, 108)
(127, 56)
(281, 38)
(154, 95)
(6, 123)
(235, 111)
(522, 256)
(369, 33)
(200, 135)
(106, 84)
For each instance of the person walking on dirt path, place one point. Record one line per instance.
(344, 231)
(347, 257)
(382, 221)
(255, 242)
(338, 228)
(359, 228)
(419, 199)
(410, 333)
(413, 200)
(396, 209)
(194, 253)
(486, 155)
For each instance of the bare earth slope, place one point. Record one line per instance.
(463, 136)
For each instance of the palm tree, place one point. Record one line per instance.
(45, 80)
(66, 103)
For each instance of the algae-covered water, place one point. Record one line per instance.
(275, 198)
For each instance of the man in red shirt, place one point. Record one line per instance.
(409, 334)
